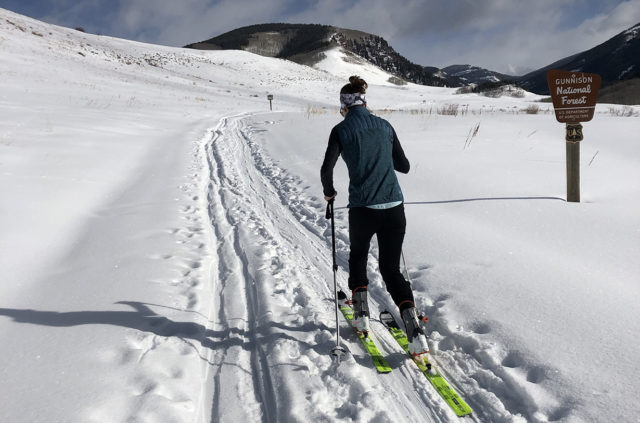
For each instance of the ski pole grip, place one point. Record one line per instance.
(329, 209)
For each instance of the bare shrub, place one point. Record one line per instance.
(448, 110)
(314, 110)
(472, 133)
(624, 111)
(467, 89)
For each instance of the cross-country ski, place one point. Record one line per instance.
(426, 366)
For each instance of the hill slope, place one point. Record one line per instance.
(475, 75)
(305, 43)
(616, 59)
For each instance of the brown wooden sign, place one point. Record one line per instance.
(574, 94)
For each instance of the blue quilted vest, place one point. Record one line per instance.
(367, 142)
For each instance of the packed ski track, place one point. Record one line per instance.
(273, 321)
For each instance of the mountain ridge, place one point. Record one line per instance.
(617, 59)
(306, 44)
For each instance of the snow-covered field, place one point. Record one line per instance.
(165, 257)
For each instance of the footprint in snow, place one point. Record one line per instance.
(513, 360)
(480, 328)
(537, 374)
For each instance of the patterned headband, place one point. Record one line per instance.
(348, 100)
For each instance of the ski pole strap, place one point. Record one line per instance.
(329, 213)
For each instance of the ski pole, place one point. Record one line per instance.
(406, 270)
(421, 317)
(337, 351)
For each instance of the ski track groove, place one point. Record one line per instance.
(242, 177)
(261, 373)
(232, 262)
(214, 210)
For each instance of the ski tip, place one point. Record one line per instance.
(384, 370)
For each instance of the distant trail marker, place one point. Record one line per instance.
(270, 98)
(574, 96)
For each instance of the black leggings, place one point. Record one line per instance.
(389, 225)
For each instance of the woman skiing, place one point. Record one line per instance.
(371, 150)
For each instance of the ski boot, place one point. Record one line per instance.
(417, 339)
(361, 310)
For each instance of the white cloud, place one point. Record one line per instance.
(179, 23)
(508, 36)
(515, 40)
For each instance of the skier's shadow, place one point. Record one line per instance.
(468, 200)
(144, 319)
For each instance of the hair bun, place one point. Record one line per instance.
(358, 83)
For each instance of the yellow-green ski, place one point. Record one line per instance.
(378, 360)
(450, 396)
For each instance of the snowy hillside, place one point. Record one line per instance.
(165, 256)
(342, 64)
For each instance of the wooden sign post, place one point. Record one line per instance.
(574, 96)
(270, 98)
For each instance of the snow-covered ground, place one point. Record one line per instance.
(165, 258)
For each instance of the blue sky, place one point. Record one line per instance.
(511, 36)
